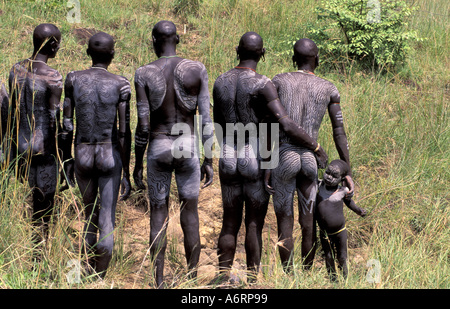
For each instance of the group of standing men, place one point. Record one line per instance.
(169, 92)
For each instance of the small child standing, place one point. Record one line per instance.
(330, 215)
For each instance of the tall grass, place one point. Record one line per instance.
(397, 125)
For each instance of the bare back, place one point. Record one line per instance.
(173, 89)
(32, 86)
(306, 98)
(96, 95)
(237, 97)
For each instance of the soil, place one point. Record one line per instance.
(136, 231)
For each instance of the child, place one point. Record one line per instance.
(330, 215)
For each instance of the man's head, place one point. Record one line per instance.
(306, 53)
(164, 33)
(250, 47)
(101, 48)
(46, 40)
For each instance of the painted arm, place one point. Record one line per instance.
(207, 129)
(339, 136)
(55, 98)
(142, 133)
(219, 118)
(65, 137)
(125, 138)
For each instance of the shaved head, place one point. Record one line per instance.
(164, 30)
(165, 37)
(101, 46)
(306, 52)
(251, 46)
(46, 37)
(306, 48)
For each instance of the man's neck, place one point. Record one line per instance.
(166, 51)
(306, 68)
(100, 65)
(39, 58)
(250, 64)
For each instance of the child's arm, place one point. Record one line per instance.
(352, 205)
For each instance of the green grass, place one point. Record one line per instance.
(397, 125)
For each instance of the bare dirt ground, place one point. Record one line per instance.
(136, 231)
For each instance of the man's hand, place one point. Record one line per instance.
(207, 172)
(68, 174)
(267, 181)
(321, 157)
(137, 176)
(348, 182)
(125, 188)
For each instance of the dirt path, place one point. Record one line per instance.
(136, 231)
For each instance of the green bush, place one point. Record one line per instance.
(372, 32)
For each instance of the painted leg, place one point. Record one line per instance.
(159, 172)
(307, 190)
(284, 182)
(256, 203)
(188, 184)
(233, 204)
(88, 185)
(43, 177)
(109, 189)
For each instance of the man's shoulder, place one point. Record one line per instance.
(148, 73)
(150, 67)
(88, 74)
(189, 67)
(192, 63)
(282, 78)
(122, 80)
(325, 81)
(225, 77)
(282, 75)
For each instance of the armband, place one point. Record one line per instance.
(317, 148)
(285, 116)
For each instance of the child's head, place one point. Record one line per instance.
(335, 172)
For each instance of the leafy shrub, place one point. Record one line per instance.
(372, 32)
